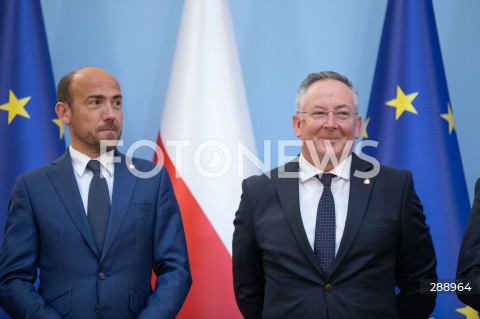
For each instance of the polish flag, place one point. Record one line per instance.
(208, 146)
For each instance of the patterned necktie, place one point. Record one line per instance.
(98, 204)
(324, 244)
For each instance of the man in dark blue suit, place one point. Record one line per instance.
(95, 253)
(330, 235)
(468, 268)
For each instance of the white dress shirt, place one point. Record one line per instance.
(310, 191)
(84, 176)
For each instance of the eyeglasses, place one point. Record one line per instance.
(323, 115)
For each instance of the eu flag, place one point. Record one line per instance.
(411, 116)
(30, 133)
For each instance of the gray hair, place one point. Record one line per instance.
(321, 76)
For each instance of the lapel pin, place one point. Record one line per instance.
(366, 181)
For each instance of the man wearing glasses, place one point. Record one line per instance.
(336, 239)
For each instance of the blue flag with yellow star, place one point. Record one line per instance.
(411, 116)
(30, 133)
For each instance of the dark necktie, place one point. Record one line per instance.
(324, 244)
(98, 204)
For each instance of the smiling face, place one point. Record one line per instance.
(326, 96)
(96, 110)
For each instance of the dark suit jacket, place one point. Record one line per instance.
(385, 243)
(47, 228)
(468, 268)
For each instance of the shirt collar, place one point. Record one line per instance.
(307, 170)
(80, 161)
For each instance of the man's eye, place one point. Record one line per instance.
(343, 113)
(319, 114)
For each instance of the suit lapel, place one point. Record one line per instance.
(358, 199)
(63, 179)
(123, 187)
(287, 189)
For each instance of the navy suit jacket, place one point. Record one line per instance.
(468, 268)
(386, 242)
(47, 228)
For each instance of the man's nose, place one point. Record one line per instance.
(108, 111)
(330, 121)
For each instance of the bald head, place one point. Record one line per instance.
(64, 88)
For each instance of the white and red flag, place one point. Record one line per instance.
(204, 131)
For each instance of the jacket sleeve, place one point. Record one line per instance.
(248, 275)
(416, 260)
(468, 268)
(19, 260)
(171, 265)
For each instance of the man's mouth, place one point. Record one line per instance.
(332, 139)
(111, 128)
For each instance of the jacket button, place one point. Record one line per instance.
(102, 276)
(328, 287)
(98, 308)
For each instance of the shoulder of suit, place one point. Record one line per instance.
(268, 177)
(393, 171)
(365, 166)
(140, 164)
(477, 186)
(37, 171)
(392, 175)
(386, 172)
(42, 169)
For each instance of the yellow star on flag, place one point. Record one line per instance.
(403, 103)
(468, 312)
(449, 118)
(59, 123)
(15, 107)
(365, 124)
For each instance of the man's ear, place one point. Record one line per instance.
(358, 126)
(64, 112)
(296, 122)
